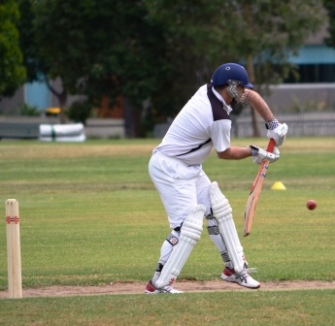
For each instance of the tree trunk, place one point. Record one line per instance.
(251, 72)
(132, 119)
(62, 98)
(138, 132)
(128, 119)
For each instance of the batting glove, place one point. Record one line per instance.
(259, 155)
(277, 131)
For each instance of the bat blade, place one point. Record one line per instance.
(256, 189)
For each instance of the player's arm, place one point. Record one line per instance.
(258, 154)
(235, 153)
(276, 130)
(258, 103)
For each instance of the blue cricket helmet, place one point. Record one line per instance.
(229, 72)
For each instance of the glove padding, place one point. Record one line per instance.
(259, 155)
(277, 131)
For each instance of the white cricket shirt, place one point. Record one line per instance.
(203, 123)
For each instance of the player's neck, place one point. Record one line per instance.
(225, 95)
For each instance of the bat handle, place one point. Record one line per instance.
(271, 145)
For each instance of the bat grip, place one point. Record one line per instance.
(271, 145)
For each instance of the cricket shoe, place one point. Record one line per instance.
(151, 289)
(243, 278)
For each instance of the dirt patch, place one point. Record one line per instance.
(187, 286)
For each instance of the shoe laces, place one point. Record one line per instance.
(167, 288)
(245, 274)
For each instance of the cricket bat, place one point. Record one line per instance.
(255, 192)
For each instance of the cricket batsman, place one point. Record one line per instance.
(188, 195)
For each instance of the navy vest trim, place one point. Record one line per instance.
(196, 148)
(219, 113)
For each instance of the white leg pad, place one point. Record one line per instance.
(190, 233)
(222, 211)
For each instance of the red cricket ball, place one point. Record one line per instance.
(311, 204)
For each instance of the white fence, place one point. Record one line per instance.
(301, 124)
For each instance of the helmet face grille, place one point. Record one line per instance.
(229, 72)
(232, 89)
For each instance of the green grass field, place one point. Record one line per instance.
(91, 216)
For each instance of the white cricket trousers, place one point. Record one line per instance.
(181, 187)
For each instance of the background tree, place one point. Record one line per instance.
(161, 50)
(96, 49)
(259, 34)
(270, 31)
(197, 40)
(12, 71)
